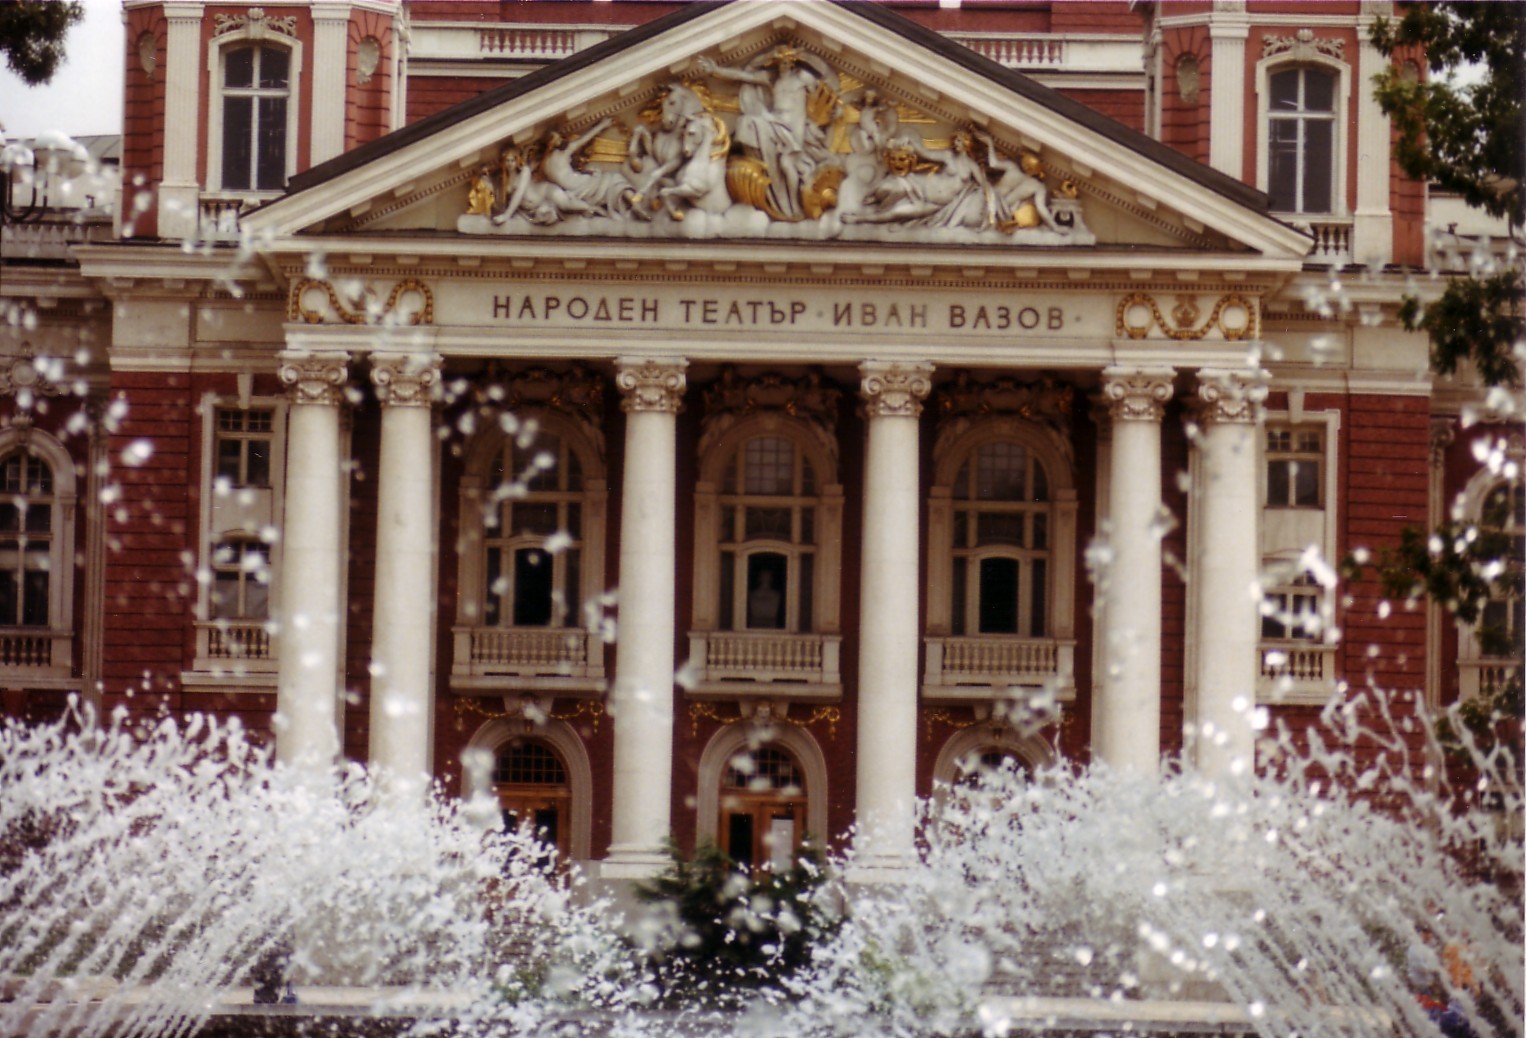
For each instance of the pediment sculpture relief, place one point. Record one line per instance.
(783, 146)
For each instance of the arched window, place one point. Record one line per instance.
(256, 92)
(1501, 629)
(768, 537)
(531, 558)
(1001, 559)
(976, 768)
(1301, 139)
(1001, 544)
(533, 535)
(26, 541)
(767, 550)
(534, 791)
(37, 549)
(254, 67)
(763, 808)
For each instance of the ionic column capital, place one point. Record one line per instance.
(1228, 395)
(405, 379)
(315, 377)
(651, 383)
(1137, 394)
(891, 389)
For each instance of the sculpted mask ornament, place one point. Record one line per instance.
(784, 145)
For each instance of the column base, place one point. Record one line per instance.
(881, 870)
(633, 863)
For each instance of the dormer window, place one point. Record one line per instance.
(256, 97)
(1301, 139)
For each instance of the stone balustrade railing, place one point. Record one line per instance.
(978, 666)
(1478, 677)
(50, 238)
(1332, 241)
(1294, 671)
(226, 644)
(774, 660)
(34, 651)
(507, 651)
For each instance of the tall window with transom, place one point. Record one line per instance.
(256, 92)
(768, 537)
(1001, 543)
(26, 541)
(534, 535)
(1301, 140)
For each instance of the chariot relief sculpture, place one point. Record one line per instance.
(782, 146)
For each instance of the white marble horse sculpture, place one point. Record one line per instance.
(701, 179)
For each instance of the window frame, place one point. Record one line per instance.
(949, 456)
(558, 736)
(217, 51)
(715, 762)
(1305, 58)
(710, 542)
(64, 499)
(238, 513)
(1470, 653)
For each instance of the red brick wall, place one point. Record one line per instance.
(1127, 106)
(1185, 125)
(143, 119)
(367, 110)
(430, 94)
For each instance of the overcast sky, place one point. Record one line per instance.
(85, 96)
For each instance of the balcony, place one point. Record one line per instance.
(1093, 53)
(1332, 240)
(1296, 672)
(774, 665)
(979, 667)
(31, 652)
(1477, 677)
(235, 647)
(565, 660)
(219, 216)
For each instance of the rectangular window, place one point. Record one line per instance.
(243, 450)
(1294, 467)
(1292, 614)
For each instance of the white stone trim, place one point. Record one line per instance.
(731, 740)
(564, 741)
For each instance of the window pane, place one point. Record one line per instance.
(1319, 152)
(962, 483)
(1318, 90)
(224, 596)
(1000, 528)
(238, 67)
(34, 612)
(274, 63)
(1040, 483)
(1038, 615)
(1278, 481)
(238, 127)
(739, 839)
(491, 610)
(256, 600)
(1284, 90)
(961, 590)
(998, 596)
(272, 144)
(228, 456)
(573, 592)
(39, 518)
(1273, 609)
(807, 526)
(1001, 471)
(259, 463)
(532, 588)
(9, 599)
(574, 472)
(1306, 484)
(807, 591)
(770, 462)
(1040, 530)
(1282, 165)
(728, 590)
(10, 518)
(768, 524)
(575, 521)
(534, 519)
(766, 577)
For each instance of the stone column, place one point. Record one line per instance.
(1224, 573)
(184, 61)
(403, 628)
(1372, 230)
(331, 31)
(307, 682)
(888, 616)
(641, 701)
(1126, 708)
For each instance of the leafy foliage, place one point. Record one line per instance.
(732, 933)
(32, 36)
(1466, 135)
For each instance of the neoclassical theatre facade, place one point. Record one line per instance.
(874, 388)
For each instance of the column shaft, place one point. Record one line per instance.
(403, 628)
(307, 681)
(888, 618)
(184, 55)
(641, 701)
(1225, 574)
(1126, 714)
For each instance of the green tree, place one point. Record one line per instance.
(32, 36)
(1465, 133)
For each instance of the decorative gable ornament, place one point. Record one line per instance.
(256, 24)
(1304, 45)
(783, 146)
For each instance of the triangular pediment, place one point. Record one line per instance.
(809, 122)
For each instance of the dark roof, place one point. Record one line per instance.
(1008, 79)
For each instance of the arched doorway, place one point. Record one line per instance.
(762, 808)
(533, 790)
